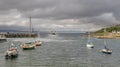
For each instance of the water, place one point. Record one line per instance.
(62, 50)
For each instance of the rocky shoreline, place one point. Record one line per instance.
(107, 36)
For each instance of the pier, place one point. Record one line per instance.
(17, 35)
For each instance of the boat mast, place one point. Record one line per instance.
(88, 35)
(104, 36)
(30, 25)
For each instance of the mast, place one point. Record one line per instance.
(104, 36)
(89, 35)
(30, 25)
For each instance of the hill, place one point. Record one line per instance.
(111, 32)
(109, 29)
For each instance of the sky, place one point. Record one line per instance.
(74, 15)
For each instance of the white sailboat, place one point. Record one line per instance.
(89, 43)
(106, 50)
(29, 45)
(38, 42)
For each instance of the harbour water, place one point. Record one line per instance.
(62, 50)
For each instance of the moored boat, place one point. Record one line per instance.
(11, 52)
(28, 46)
(106, 51)
(38, 43)
(90, 45)
(53, 32)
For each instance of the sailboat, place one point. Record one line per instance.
(89, 43)
(38, 42)
(11, 52)
(106, 50)
(29, 45)
(53, 33)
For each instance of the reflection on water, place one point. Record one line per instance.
(62, 50)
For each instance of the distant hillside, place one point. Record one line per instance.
(109, 29)
(9, 31)
(111, 32)
(18, 31)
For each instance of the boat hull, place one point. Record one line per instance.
(30, 48)
(38, 44)
(105, 51)
(90, 45)
(11, 56)
(3, 40)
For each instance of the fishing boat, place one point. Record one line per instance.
(11, 52)
(28, 46)
(89, 43)
(106, 50)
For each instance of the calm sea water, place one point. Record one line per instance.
(62, 50)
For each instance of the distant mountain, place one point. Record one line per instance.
(12, 31)
(70, 32)
(43, 31)
(9, 31)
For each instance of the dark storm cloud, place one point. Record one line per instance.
(64, 13)
(71, 9)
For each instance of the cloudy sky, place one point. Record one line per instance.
(81, 15)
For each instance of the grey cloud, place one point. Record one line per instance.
(62, 12)
(62, 8)
(71, 10)
(13, 27)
